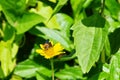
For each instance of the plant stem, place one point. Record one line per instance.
(102, 6)
(52, 67)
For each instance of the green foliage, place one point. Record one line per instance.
(111, 71)
(90, 41)
(89, 31)
(70, 73)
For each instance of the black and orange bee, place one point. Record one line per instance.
(47, 44)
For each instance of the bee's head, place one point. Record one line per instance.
(47, 44)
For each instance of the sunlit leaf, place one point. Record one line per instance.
(65, 23)
(12, 9)
(111, 71)
(107, 47)
(28, 21)
(115, 67)
(43, 74)
(26, 69)
(89, 38)
(77, 6)
(59, 5)
(114, 10)
(51, 34)
(46, 11)
(5, 57)
(103, 76)
(15, 77)
(71, 73)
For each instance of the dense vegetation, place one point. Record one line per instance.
(89, 31)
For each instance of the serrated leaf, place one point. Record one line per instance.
(89, 40)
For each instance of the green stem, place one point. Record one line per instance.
(103, 56)
(102, 6)
(52, 67)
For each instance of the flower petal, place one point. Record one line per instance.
(51, 51)
(40, 51)
(42, 47)
(58, 47)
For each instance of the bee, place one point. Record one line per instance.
(47, 44)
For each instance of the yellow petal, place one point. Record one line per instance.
(51, 42)
(40, 51)
(58, 47)
(48, 57)
(50, 52)
(41, 46)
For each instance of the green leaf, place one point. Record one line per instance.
(113, 23)
(103, 76)
(111, 71)
(115, 67)
(71, 73)
(9, 33)
(14, 5)
(0, 8)
(52, 34)
(89, 40)
(17, 17)
(13, 9)
(114, 10)
(11, 18)
(15, 77)
(43, 74)
(106, 68)
(77, 6)
(14, 50)
(105, 72)
(31, 2)
(5, 57)
(27, 21)
(107, 47)
(65, 23)
(1, 73)
(59, 5)
(46, 11)
(26, 69)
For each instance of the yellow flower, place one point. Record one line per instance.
(48, 50)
